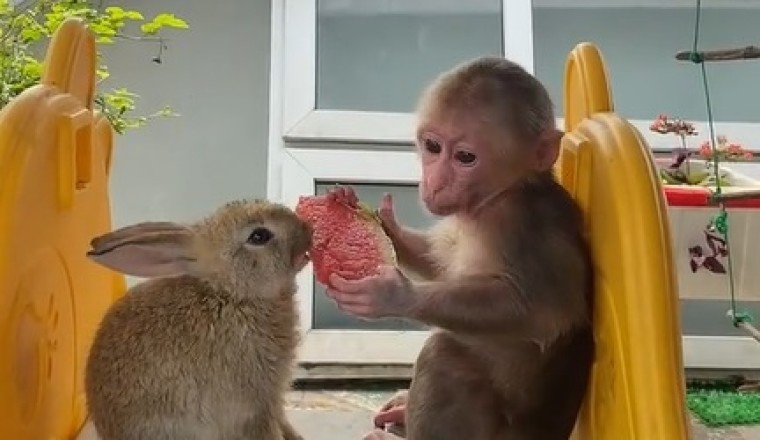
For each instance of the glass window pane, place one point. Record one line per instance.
(409, 212)
(377, 55)
(639, 46)
(705, 317)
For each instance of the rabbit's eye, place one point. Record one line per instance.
(260, 236)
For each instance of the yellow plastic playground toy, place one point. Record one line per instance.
(55, 154)
(637, 389)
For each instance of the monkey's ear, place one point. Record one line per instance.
(548, 148)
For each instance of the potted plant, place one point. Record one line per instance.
(690, 179)
(685, 170)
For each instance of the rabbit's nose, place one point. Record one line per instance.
(301, 261)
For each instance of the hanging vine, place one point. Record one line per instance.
(719, 225)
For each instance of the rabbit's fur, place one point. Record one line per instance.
(204, 349)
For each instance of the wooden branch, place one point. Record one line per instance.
(749, 387)
(755, 333)
(748, 194)
(744, 53)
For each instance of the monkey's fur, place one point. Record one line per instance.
(203, 351)
(509, 273)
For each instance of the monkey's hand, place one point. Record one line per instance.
(387, 294)
(343, 194)
(388, 216)
(393, 411)
(412, 247)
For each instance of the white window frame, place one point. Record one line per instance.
(303, 169)
(307, 145)
(303, 122)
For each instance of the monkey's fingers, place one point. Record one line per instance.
(393, 415)
(346, 298)
(353, 304)
(348, 195)
(349, 300)
(398, 399)
(387, 202)
(351, 195)
(348, 286)
(386, 212)
(343, 194)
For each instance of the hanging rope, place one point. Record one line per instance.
(720, 222)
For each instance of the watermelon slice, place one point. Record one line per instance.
(348, 240)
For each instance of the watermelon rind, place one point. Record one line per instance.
(376, 223)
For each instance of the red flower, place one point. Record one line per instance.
(705, 151)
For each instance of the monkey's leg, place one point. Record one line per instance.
(450, 399)
(288, 431)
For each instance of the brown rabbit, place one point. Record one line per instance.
(204, 349)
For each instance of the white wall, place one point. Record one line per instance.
(216, 75)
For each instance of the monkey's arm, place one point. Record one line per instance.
(413, 250)
(497, 304)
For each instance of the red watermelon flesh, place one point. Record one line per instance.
(348, 240)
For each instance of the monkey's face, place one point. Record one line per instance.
(458, 165)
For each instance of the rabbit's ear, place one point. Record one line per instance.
(153, 249)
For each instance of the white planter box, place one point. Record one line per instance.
(701, 264)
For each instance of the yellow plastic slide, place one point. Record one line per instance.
(55, 154)
(637, 391)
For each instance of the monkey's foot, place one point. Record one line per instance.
(379, 434)
(396, 429)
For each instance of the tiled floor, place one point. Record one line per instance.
(733, 433)
(346, 415)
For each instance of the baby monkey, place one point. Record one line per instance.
(508, 276)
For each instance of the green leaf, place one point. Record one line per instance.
(116, 12)
(5, 7)
(103, 74)
(166, 112)
(33, 71)
(134, 15)
(31, 34)
(170, 20)
(102, 30)
(124, 92)
(150, 28)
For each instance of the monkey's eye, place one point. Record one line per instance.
(432, 146)
(260, 236)
(465, 157)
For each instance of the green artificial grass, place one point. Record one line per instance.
(720, 404)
